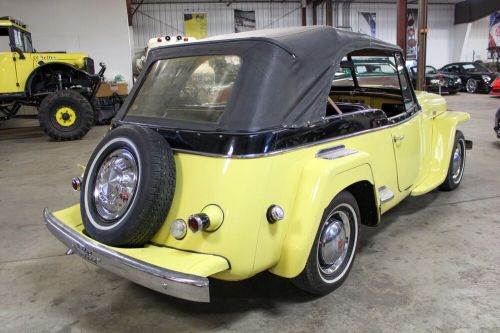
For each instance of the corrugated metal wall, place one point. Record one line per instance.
(160, 19)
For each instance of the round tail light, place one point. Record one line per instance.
(197, 222)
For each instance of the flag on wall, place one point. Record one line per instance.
(411, 34)
(196, 25)
(494, 38)
(244, 20)
(367, 23)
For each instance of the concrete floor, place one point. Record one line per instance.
(432, 265)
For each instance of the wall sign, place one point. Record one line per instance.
(196, 25)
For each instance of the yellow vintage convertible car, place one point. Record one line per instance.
(244, 153)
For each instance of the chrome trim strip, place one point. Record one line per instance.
(180, 285)
(334, 152)
(385, 194)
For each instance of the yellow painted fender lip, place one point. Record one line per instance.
(162, 269)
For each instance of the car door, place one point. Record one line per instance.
(24, 65)
(406, 133)
(7, 66)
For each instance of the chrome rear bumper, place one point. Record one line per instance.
(180, 285)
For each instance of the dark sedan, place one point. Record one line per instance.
(475, 77)
(437, 82)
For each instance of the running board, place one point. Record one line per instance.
(385, 194)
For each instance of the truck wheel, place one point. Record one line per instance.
(128, 187)
(334, 247)
(65, 115)
(457, 164)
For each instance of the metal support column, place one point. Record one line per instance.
(328, 13)
(315, 14)
(401, 25)
(422, 43)
(304, 16)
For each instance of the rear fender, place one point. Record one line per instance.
(321, 181)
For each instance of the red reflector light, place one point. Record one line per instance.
(197, 222)
(186, 39)
(193, 223)
(158, 40)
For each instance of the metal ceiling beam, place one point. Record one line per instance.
(131, 12)
(471, 10)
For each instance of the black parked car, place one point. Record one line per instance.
(475, 76)
(437, 82)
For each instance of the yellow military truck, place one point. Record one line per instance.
(60, 85)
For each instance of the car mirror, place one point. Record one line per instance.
(18, 51)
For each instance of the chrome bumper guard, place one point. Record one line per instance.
(180, 285)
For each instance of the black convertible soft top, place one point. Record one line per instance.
(284, 80)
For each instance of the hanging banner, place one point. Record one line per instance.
(367, 23)
(494, 39)
(244, 20)
(411, 34)
(196, 25)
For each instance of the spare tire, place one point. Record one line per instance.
(128, 187)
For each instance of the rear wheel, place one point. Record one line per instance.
(65, 115)
(334, 248)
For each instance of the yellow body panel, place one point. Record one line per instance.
(303, 185)
(8, 78)
(24, 67)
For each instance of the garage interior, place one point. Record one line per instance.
(433, 263)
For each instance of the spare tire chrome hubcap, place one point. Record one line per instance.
(334, 242)
(115, 184)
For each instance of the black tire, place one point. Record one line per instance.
(471, 86)
(454, 176)
(315, 278)
(65, 103)
(147, 205)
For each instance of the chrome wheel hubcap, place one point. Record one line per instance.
(115, 184)
(457, 166)
(334, 242)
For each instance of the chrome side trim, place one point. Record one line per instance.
(385, 194)
(180, 285)
(334, 152)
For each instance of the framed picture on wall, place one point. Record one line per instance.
(244, 20)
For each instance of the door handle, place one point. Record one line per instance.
(398, 138)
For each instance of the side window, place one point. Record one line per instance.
(4, 40)
(406, 89)
(18, 39)
(28, 47)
